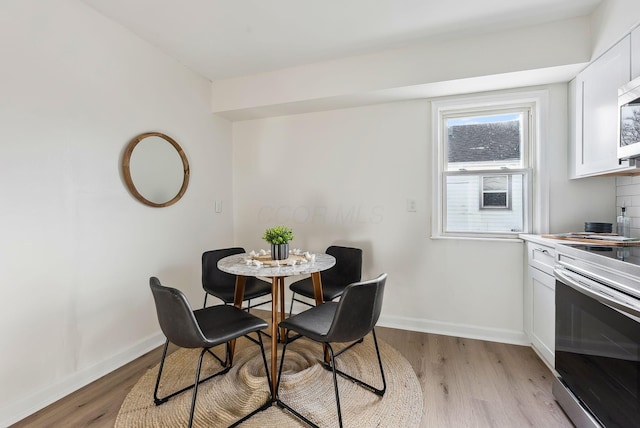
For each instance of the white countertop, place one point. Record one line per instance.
(538, 239)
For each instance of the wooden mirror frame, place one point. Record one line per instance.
(126, 169)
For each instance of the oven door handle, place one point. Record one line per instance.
(611, 298)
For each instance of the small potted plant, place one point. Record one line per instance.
(278, 237)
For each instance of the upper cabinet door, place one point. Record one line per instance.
(596, 115)
(635, 53)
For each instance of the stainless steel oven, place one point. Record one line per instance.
(597, 355)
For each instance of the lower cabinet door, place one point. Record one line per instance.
(543, 314)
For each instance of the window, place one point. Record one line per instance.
(496, 192)
(484, 157)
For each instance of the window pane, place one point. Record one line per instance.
(463, 205)
(499, 182)
(484, 141)
(495, 200)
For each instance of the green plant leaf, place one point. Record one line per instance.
(278, 235)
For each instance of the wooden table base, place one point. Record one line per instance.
(277, 314)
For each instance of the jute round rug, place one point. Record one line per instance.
(306, 386)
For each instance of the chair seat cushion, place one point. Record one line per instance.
(313, 323)
(253, 289)
(222, 323)
(330, 290)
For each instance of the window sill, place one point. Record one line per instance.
(515, 239)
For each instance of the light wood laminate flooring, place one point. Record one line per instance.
(465, 383)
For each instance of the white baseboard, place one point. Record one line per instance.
(548, 358)
(514, 337)
(20, 408)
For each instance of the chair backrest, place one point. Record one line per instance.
(358, 310)
(212, 277)
(176, 318)
(348, 267)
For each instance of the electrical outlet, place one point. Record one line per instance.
(411, 205)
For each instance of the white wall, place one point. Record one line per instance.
(416, 69)
(612, 20)
(76, 250)
(344, 176)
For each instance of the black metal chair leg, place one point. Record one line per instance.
(205, 300)
(360, 382)
(267, 403)
(293, 299)
(335, 372)
(284, 349)
(195, 388)
(266, 366)
(350, 346)
(291, 307)
(380, 392)
(279, 402)
(283, 405)
(157, 400)
(335, 383)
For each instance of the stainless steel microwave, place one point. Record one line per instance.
(629, 120)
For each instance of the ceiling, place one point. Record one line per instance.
(227, 38)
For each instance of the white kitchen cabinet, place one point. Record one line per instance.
(595, 98)
(539, 300)
(635, 53)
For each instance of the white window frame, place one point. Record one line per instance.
(536, 217)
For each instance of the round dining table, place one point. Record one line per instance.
(243, 265)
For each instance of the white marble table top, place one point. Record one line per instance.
(237, 265)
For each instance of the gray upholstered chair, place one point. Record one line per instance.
(347, 320)
(347, 270)
(222, 285)
(203, 328)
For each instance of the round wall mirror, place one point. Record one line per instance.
(155, 169)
